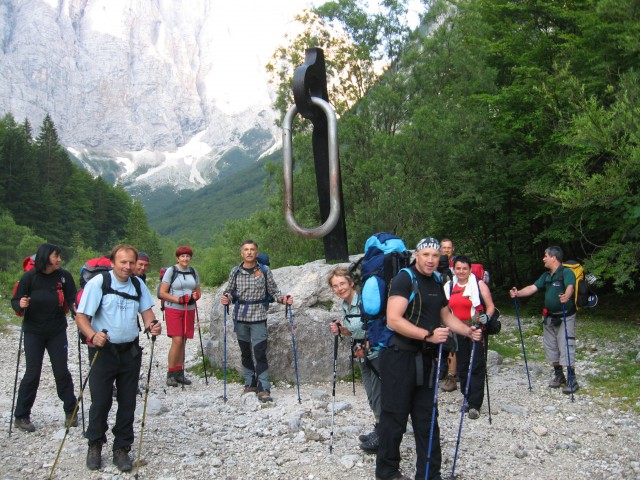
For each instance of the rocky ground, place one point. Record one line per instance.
(193, 433)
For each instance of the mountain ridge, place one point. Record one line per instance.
(142, 93)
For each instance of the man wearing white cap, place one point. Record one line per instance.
(416, 310)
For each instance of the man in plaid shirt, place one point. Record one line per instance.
(251, 288)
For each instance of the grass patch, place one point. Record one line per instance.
(607, 343)
(356, 372)
(198, 369)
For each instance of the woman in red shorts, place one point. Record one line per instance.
(180, 289)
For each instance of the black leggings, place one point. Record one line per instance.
(478, 370)
(34, 347)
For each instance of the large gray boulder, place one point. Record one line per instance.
(314, 307)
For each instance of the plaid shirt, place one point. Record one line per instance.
(250, 286)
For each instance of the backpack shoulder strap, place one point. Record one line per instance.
(264, 270)
(106, 288)
(414, 283)
(234, 278)
(136, 284)
(414, 291)
(174, 274)
(106, 283)
(480, 294)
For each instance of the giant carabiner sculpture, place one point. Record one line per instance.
(311, 101)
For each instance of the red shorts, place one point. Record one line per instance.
(179, 323)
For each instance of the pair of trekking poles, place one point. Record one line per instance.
(463, 409)
(288, 309)
(566, 337)
(81, 395)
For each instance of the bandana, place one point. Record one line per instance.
(428, 242)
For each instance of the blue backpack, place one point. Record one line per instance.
(384, 256)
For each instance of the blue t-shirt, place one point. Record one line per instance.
(116, 314)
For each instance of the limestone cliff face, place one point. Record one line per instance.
(136, 88)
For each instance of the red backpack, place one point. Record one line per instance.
(90, 269)
(29, 263)
(481, 274)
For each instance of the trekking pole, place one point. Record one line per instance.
(146, 396)
(566, 338)
(353, 370)
(224, 353)
(75, 408)
(434, 411)
(184, 333)
(486, 373)
(293, 342)
(15, 382)
(335, 371)
(463, 409)
(80, 375)
(524, 353)
(204, 363)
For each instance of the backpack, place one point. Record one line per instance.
(384, 256)
(479, 271)
(493, 325)
(29, 263)
(107, 290)
(102, 266)
(90, 269)
(584, 295)
(174, 274)
(481, 274)
(93, 267)
(266, 300)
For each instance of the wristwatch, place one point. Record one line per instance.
(429, 334)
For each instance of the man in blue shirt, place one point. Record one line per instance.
(107, 317)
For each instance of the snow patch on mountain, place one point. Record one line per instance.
(145, 93)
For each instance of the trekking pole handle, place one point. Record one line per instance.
(148, 329)
(334, 172)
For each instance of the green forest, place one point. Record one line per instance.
(45, 197)
(507, 126)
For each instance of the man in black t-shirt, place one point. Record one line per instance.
(416, 309)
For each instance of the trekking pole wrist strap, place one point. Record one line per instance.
(429, 334)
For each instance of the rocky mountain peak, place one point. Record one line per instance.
(148, 93)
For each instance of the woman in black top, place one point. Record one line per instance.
(44, 294)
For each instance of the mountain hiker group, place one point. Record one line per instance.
(407, 315)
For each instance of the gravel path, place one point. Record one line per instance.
(192, 433)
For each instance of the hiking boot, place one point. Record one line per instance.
(474, 414)
(557, 381)
(171, 379)
(121, 459)
(67, 419)
(567, 388)
(265, 396)
(450, 383)
(180, 378)
(248, 389)
(25, 424)
(94, 456)
(365, 436)
(371, 445)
